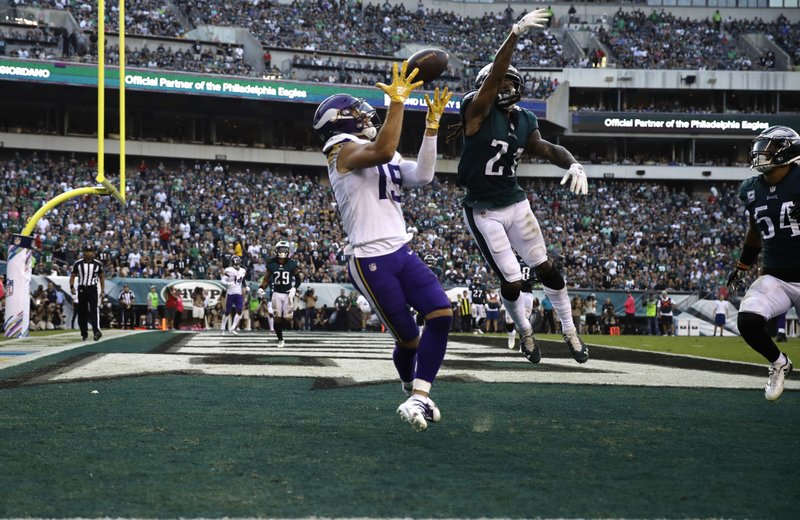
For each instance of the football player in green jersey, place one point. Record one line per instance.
(284, 277)
(772, 200)
(496, 209)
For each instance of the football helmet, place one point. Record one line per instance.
(775, 146)
(506, 98)
(345, 114)
(430, 260)
(282, 249)
(236, 261)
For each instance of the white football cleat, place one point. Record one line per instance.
(512, 342)
(418, 410)
(221, 332)
(774, 387)
(234, 332)
(281, 343)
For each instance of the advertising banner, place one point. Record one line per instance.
(644, 123)
(18, 287)
(215, 85)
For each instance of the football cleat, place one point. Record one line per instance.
(418, 410)
(281, 343)
(530, 347)
(222, 332)
(576, 347)
(512, 342)
(98, 335)
(774, 387)
(234, 332)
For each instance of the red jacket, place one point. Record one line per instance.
(630, 305)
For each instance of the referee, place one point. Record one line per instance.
(89, 272)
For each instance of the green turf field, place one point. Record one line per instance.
(187, 445)
(730, 348)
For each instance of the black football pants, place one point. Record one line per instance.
(87, 309)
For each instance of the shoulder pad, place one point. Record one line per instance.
(467, 99)
(341, 138)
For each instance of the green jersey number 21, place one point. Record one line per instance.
(494, 168)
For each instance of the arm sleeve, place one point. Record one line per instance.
(420, 172)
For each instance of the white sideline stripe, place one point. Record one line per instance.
(382, 370)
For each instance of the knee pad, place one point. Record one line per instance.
(510, 290)
(439, 326)
(551, 278)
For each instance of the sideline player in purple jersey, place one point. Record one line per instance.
(233, 278)
(367, 175)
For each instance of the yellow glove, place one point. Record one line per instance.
(436, 107)
(401, 86)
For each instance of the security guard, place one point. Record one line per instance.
(88, 272)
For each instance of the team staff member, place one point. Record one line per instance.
(88, 273)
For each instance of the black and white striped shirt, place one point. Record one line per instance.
(126, 297)
(87, 272)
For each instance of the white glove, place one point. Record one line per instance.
(292, 292)
(261, 293)
(536, 18)
(580, 185)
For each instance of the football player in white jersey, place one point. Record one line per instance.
(366, 175)
(233, 279)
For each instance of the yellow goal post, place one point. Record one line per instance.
(19, 273)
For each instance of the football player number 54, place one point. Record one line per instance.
(785, 221)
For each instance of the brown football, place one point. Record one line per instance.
(430, 62)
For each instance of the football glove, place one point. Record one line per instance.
(436, 107)
(735, 278)
(536, 18)
(401, 85)
(292, 292)
(579, 185)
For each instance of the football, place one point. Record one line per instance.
(430, 62)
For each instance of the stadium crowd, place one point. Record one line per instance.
(658, 40)
(187, 220)
(662, 41)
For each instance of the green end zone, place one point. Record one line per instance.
(186, 445)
